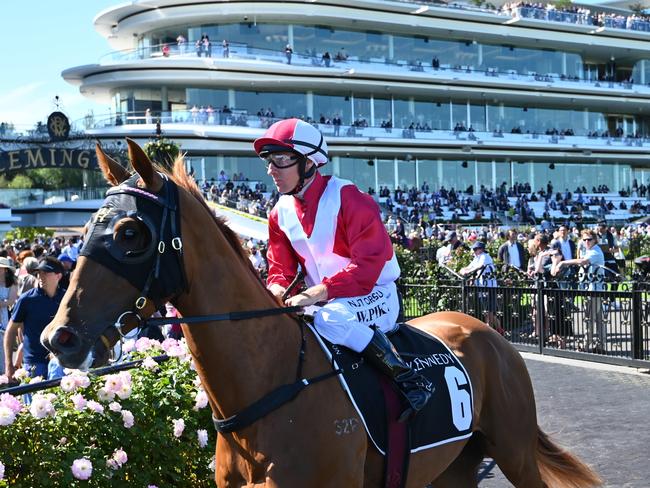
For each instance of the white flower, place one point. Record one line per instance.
(41, 407)
(2, 471)
(104, 395)
(82, 468)
(7, 415)
(113, 383)
(211, 465)
(68, 384)
(202, 434)
(120, 456)
(150, 364)
(21, 374)
(124, 392)
(95, 406)
(115, 407)
(3, 379)
(179, 427)
(113, 464)
(11, 402)
(127, 418)
(79, 401)
(36, 379)
(128, 345)
(201, 400)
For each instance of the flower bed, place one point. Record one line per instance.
(148, 427)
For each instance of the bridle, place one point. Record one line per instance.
(142, 268)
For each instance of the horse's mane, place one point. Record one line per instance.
(182, 179)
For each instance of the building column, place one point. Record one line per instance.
(480, 55)
(396, 173)
(336, 165)
(411, 106)
(487, 119)
(221, 163)
(202, 169)
(310, 104)
(642, 72)
(494, 174)
(376, 175)
(352, 109)
(417, 173)
(476, 176)
(232, 102)
(564, 64)
(164, 98)
(392, 110)
(451, 115)
(391, 47)
(439, 173)
(290, 36)
(372, 110)
(585, 119)
(531, 175)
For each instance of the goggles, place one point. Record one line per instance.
(280, 161)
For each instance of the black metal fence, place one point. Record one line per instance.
(586, 318)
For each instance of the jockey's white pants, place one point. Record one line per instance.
(347, 321)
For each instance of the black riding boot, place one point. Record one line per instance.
(415, 388)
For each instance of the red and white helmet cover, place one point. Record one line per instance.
(296, 135)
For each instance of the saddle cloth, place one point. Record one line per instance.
(447, 417)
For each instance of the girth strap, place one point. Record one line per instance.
(268, 403)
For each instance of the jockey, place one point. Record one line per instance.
(335, 233)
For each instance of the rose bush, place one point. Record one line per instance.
(149, 426)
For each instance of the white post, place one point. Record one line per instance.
(395, 170)
(310, 104)
(290, 36)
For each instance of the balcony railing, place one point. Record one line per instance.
(346, 66)
(217, 120)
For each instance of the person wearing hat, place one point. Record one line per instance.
(334, 232)
(32, 312)
(8, 295)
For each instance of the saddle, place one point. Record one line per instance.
(447, 417)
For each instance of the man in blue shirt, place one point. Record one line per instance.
(593, 260)
(32, 312)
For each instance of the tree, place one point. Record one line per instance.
(563, 4)
(636, 8)
(162, 151)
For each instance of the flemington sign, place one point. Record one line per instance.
(46, 157)
(54, 154)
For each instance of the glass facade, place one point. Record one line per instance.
(408, 172)
(375, 46)
(402, 112)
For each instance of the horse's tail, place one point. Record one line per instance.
(561, 469)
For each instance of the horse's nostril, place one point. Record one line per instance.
(65, 340)
(63, 337)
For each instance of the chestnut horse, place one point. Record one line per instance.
(298, 445)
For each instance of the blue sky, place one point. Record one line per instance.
(41, 39)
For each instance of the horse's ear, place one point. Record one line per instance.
(144, 167)
(112, 170)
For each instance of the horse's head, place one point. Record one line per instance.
(131, 262)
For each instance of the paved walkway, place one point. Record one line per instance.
(599, 414)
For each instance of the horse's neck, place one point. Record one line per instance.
(238, 361)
